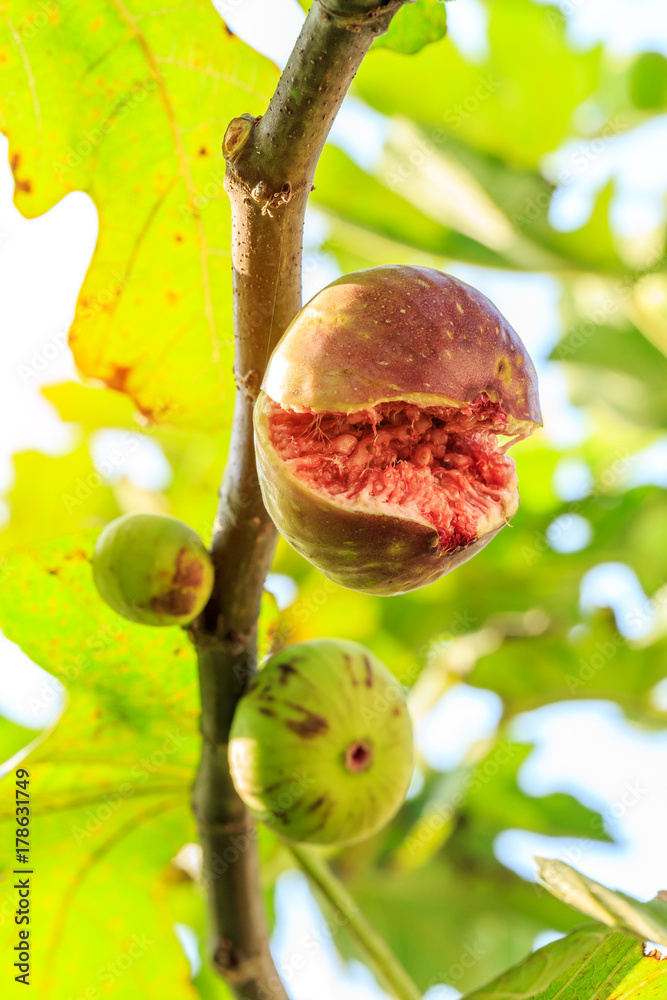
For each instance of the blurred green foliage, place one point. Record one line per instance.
(460, 180)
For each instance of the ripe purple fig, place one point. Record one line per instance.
(152, 569)
(321, 744)
(382, 430)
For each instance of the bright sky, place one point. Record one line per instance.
(588, 749)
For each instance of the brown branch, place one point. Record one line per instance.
(270, 166)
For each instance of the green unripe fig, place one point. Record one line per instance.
(152, 569)
(321, 743)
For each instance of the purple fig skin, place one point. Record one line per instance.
(385, 334)
(402, 332)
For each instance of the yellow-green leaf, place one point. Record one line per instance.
(129, 102)
(592, 962)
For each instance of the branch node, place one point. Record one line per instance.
(357, 20)
(228, 827)
(249, 384)
(237, 134)
(237, 969)
(268, 199)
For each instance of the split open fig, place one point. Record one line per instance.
(383, 427)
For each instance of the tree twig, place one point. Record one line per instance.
(381, 958)
(270, 166)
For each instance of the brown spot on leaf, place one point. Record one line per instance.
(267, 711)
(178, 238)
(203, 151)
(118, 380)
(19, 184)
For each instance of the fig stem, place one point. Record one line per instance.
(389, 970)
(270, 167)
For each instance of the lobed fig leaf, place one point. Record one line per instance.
(321, 743)
(152, 569)
(382, 428)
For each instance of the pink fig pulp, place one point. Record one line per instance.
(382, 429)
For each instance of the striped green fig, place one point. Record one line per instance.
(382, 428)
(152, 569)
(321, 744)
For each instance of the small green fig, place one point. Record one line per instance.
(152, 569)
(321, 743)
(382, 429)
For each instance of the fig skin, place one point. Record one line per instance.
(386, 334)
(152, 569)
(402, 332)
(321, 746)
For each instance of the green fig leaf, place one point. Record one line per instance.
(414, 26)
(646, 920)
(590, 962)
